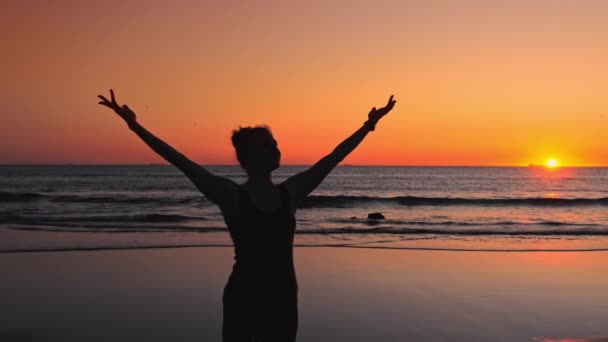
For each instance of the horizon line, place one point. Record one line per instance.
(339, 165)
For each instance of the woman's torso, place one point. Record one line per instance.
(263, 247)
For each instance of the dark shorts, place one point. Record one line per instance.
(258, 316)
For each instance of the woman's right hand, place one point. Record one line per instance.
(123, 111)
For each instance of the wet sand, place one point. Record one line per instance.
(346, 294)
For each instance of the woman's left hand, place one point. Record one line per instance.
(375, 114)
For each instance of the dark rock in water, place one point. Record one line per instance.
(375, 216)
(353, 218)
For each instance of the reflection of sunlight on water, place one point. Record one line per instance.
(552, 172)
(551, 195)
(592, 339)
(469, 243)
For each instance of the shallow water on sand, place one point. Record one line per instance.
(344, 295)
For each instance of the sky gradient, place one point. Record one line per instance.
(476, 82)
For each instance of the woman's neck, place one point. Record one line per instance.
(260, 180)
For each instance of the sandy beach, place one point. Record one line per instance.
(346, 294)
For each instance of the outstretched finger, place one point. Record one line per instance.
(112, 94)
(390, 99)
(103, 98)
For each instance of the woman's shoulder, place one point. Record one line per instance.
(287, 197)
(230, 210)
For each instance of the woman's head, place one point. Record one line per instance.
(256, 148)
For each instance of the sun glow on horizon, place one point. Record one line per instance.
(551, 163)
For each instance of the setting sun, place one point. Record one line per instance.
(551, 163)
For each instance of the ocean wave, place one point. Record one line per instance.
(115, 228)
(489, 230)
(316, 201)
(341, 201)
(19, 196)
(373, 222)
(145, 218)
(430, 231)
(34, 196)
(152, 220)
(212, 245)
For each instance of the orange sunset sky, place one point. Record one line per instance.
(476, 82)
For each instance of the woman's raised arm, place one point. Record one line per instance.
(303, 183)
(219, 190)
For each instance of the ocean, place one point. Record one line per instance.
(64, 207)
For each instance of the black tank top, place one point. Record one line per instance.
(263, 248)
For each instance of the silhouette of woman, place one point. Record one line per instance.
(260, 298)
